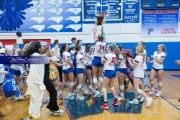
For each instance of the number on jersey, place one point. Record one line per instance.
(101, 47)
(113, 61)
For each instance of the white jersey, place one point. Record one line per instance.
(110, 61)
(57, 53)
(89, 60)
(66, 56)
(138, 71)
(99, 46)
(159, 56)
(144, 64)
(123, 61)
(2, 75)
(79, 59)
(15, 66)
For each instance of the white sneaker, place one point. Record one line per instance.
(158, 94)
(51, 112)
(86, 91)
(151, 91)
(97, 94)
(139, 96)
(90, 87)
(70, 97)
(59, 112)
(20, 97)
(142, 99)
(134, 101)
(148, 102)
(60, 95)
(79, 97)
(120, 98)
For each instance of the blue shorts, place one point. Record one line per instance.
(116, 67)
(89, 67)
(67, 71)
(157, 69)
(16, 72)
(123, 70)
(110, 73)
(139, 78)
(97, 61)
(79, 71)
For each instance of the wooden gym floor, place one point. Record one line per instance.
(166, 107)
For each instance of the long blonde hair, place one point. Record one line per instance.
(141, 51)
(163, 48)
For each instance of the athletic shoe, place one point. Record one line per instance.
(115, 102)
(142, 99)
(120, 98)
(59, 112)
(79, 97)
(134, 101)
(90, 87)
(86, 90)
(1, 114)
(158, 94)
(146, 90)
(60, 96)
(139, 96)
(70, 97)
(97, 94)
(151, 91)
(51, 112)
(105, 106)
(20, 97)
(148, 102)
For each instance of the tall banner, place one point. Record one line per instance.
(131, 11)
(160, 22)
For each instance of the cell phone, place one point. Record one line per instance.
(100, 19)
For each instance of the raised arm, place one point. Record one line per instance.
(94, 32)
(102, 30)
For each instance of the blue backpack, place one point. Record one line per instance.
(9, 86)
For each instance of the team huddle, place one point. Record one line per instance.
(92, 70)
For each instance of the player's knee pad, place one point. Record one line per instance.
(103, 89)
(112, 88)
(94, 80)
(72, 83)
(139, 91)
(100, 79)
(121, 87)
(160, 84)
(152, 82)
(80, 86)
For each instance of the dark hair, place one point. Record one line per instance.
(56, 42)
(26, 41)
(46, 47)
(87, 48)
(32, 48)
(121, 51)
(78, 42)
(100, 37)
(111, 47)
(88, 44)
(63, 48)
(73, 38)
(77, 48)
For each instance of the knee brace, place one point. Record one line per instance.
(121, 87)
(72, 83)
(103, 89)
(80, 86)
(139, 91)
(94, 80)
(100, 79)
(152, 82)
(160, 84)
(112, 88)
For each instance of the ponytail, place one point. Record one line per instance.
(62, 49)
(163, 48)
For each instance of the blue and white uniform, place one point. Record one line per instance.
(66, 68)
(80, 66)
(89, 62)
(16, 69)
(122, 67)
(138, 71)
(156, 65)
(99, 46)
(109, 65)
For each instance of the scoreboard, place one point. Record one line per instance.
(160, 4)
(91, 8)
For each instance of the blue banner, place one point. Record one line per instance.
(40, 15)
(160, 22)
(131, 11)
(23, 60)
